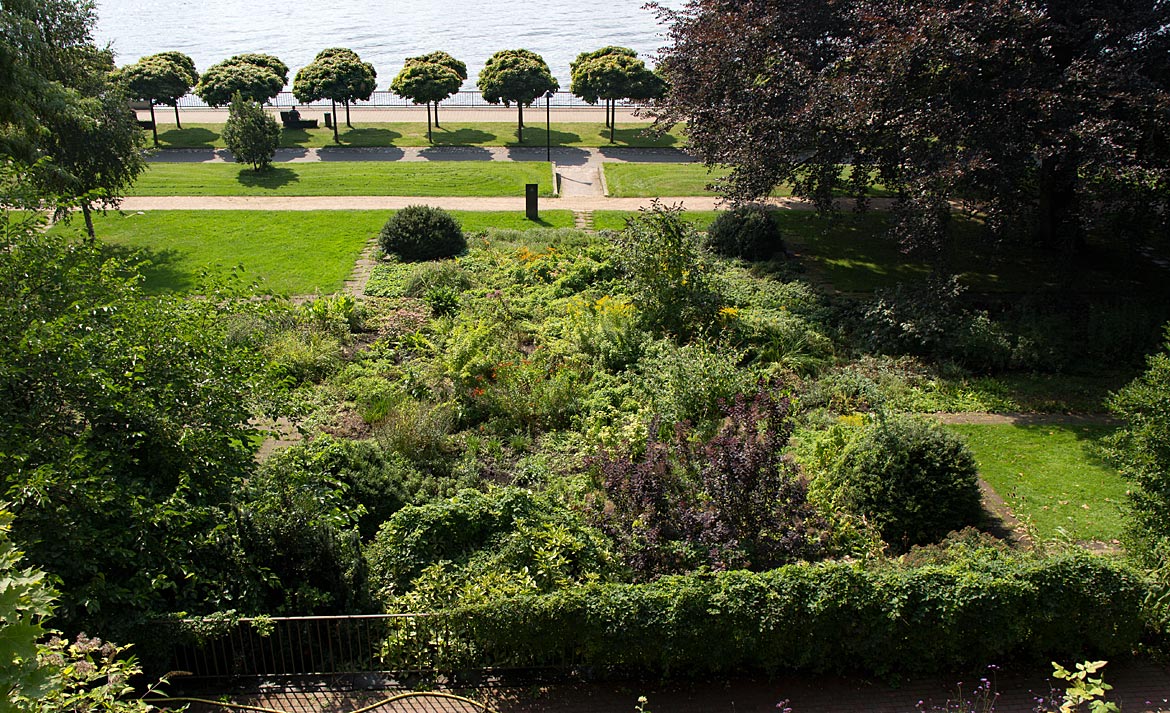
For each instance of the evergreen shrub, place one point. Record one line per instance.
(746, 232)
(420, 232)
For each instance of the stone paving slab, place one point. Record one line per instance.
(562, 155)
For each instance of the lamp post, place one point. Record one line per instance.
(548, 125)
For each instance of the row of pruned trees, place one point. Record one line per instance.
(339, 75)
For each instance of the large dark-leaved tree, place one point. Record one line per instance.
(1040, 115)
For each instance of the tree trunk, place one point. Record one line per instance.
(520, 123)
(85, 211)
(1058, 223)
(333, 104)
(153, 124)
(607, 113)
(437, 116)
(429, 138)
(177, 122)
(612, 119)
(347, 114)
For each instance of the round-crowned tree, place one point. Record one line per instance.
(420, 232)
(339, 75)
(444, 59)
(909, 478)
(746, 232)
(518, 76)
(258, 77)
(426, 83)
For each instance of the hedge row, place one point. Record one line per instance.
(986, 607)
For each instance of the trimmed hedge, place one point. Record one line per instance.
(987, 606)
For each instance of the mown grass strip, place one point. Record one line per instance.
(1052, 477)
(346, 178)
(450, 134)
(283, 252)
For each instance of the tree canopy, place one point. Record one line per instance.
(251, 134)
(1028, 112)
(613, 73)
(441, 58)
(258, 77)
(159, 79)
(518, 76)
(428, 82)
(336, 74)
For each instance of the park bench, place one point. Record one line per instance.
(293, 120)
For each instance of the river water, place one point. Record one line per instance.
(382, 32)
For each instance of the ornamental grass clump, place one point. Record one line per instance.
(420, 232)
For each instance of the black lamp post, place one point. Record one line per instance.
(548, 125)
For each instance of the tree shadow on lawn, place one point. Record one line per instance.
(271, 178)
(641, 137)
(188, 138)
(161, 270)
(460, 137)
(368, 137)
(535, 136)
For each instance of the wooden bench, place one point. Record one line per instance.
(291, 122)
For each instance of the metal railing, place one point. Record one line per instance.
(395, 647)
(388, 100)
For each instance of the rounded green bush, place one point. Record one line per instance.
(420, 232)
(909, 478)
(746, 232)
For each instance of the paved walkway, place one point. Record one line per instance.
(579, 203)
(561, 155)
(1139, 686)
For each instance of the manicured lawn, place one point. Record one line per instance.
(650, 180)
(287, 252)
(346, 178)
(453, 134)
(616, 219)
(1050, 477)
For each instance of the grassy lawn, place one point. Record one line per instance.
(287, 252)
(346, 178)
(616, 219)
(650, 180)
(453, 134)
(1050, 477)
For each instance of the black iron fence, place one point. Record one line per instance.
(387, 648)
(389, 100)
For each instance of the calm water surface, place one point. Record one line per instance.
(384, 33)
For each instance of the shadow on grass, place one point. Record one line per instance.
(270, 178)
(160, 269)
(368, 137)
(188, 138)
(641, 137)
(535, 136)
(460, 137)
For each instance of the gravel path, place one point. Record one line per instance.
(508, 203)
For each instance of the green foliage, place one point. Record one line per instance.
(159, 78)
(1142, 452)
(256, 77)
(669, 277)
(337, 74)
(612, 73)
(981, 605)
(746, 232)
(907, 477)
(299, 536)
(518, 76)
(462, 548)
(423, 82)
(25, 602)
(441, 58)
(420, 232)
(1084, 688)
(125, 422)
(251, 134)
